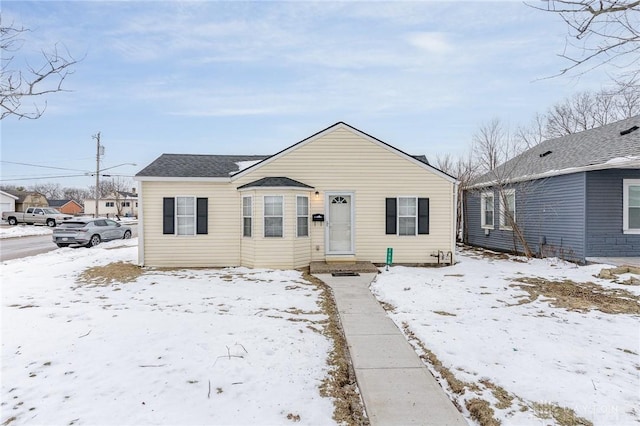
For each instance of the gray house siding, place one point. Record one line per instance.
(550, 212)
(604, 215)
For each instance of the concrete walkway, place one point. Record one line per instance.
(396, 387)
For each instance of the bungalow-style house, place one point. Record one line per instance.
(66, 206)
(26, 199)
(575, 197)
(119, 203)
(7, 202)
(339, 195)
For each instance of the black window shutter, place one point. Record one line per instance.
(202, 216)
(423, 215)
(168, 211)
(391, 215)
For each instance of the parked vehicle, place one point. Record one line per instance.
(41, 215)
(89, 232)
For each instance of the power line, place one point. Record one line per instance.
(41, 177)
(44, 167)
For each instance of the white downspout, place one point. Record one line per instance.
(140, 226)
(454, 220)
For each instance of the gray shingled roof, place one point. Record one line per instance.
(57, 203)
(189, 165)
(275, 182)
(570, 153)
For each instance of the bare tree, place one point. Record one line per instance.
(599, 32)
(29, 82)
(51, 191)
(76, 194)
(493, 144)
(494, 150)
(587, 110)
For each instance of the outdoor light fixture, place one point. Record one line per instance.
(317, 195)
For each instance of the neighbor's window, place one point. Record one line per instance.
(507, 209)
(631, 206)
(109, 204)
(185, 215)
(125, 204)
(407, 215)
(273, 216)
(302, 214)
(486, 207)
(247, 216)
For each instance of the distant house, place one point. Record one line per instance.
(26, 199)
(120, 203)
(66, 206)
(7, 202)
(339, 195)
(577, 197)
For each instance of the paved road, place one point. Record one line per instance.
(15, 248)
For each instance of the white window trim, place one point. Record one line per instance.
(483, 216)
(244, 217)
(264, 216)
(195, 215)
(298, 216)
(626, 183)
(398, 216)
(503, 217)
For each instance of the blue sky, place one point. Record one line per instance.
(214, 77)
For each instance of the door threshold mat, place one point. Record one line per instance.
(345, 274)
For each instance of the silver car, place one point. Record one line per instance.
(89, 232)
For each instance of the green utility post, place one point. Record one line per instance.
(389, 257)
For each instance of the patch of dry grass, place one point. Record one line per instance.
(118, 272)
(579, 297)
(563, 416)
(341, 383)
(482, 412)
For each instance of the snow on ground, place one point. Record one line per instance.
(470, 317)
(24, 231)
(201, 346)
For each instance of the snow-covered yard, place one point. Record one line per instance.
(229, 346)
(24, 231)
(534, 348)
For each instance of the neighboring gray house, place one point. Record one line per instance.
(575, 197)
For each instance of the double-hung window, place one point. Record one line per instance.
(109, 204)
(486, 210)
(302, 215)
(407, 215)
(185, 215)
(507, 209)
(273, 216)
(631, 206)
(247, 216)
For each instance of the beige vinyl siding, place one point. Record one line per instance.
(343, 161)
(220, 247)
(284, 252)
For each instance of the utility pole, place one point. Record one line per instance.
(99, 151)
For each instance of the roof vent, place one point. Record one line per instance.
(626, 132)
(544, 154)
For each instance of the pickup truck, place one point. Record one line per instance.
(41, 215)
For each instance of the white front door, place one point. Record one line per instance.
(339, 234)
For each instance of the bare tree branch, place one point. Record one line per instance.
(32, 82)
(599, 32)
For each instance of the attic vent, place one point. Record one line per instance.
(544, 154)
(626, 132)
